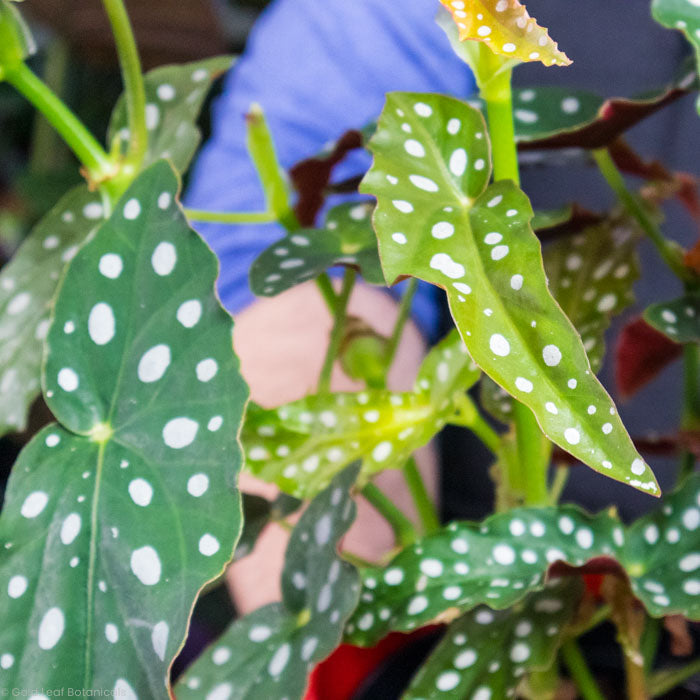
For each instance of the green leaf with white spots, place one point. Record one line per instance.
(498, 562)
(446, 369)
(544, 111)
(495, 563)
(115, 518)
(485, 653)
(506, 28)
(678, 320)
(683, 15)
(27, 287)
(174, 98)
(346, 239)
(270, 653)
(301, 445)
(437, 220)
(591, 276)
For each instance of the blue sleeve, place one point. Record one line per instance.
(317, 69)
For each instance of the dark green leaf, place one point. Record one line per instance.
(347, 239)
(27, 287)
(678, 320)
(485, 653)
(116, 518)
(269, 653)
(683, 15)
(174, 95)
(436, 220)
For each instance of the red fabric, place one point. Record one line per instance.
(340, 676)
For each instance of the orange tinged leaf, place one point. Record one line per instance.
(507, 28)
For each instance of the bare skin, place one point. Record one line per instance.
(281, 343)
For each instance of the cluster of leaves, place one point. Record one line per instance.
(118, 514)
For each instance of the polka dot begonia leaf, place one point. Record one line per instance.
(270, 652)
(437, 220)
(27, 287)
(117, 516)
(683, 15)
(485, 653)
(588, 128)
(678, 320)
(591, 276)
(506, 28)
(300, 446)
(174, 96)
(346, 239)
(498, 562)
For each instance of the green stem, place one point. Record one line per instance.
(47, 153)
(325, 287)
(237, 217)
(401, 319)
(580, 673)
(403, 528)
(324, 382)
(669, 251)
(424, 504)
(356, 560)
(561, 476)
(94, 159)
(532, 447)
(468, 417)
(691, 402)
(650, 642)
(132, 77)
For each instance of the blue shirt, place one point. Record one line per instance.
(317, 68)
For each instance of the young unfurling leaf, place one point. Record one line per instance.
(437, 220)
(507, 28)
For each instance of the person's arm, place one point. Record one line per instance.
(317, 69)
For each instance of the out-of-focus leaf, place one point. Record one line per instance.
(300, 446)
(437, 220)
(484, 653)
(641, 353)
(174, 96)
(270, 652)
(347, 239)
(683, 15)
(615, 116)
(498, 562)
(118, 515)
(27, 287)
(678, 320)
(258, 512)
(506, 28)
(16, 41)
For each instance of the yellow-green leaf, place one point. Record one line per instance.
(507, 28)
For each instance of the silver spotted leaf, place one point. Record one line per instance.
(591, 276)
(27, 288)
(301, 445)
(485, 653)
(546, 110)
(678, 320)
(270, 652)
(437, 220)
(498, 562)
(174, 96)
(115, 518)
(346, 239)
(683, 15)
